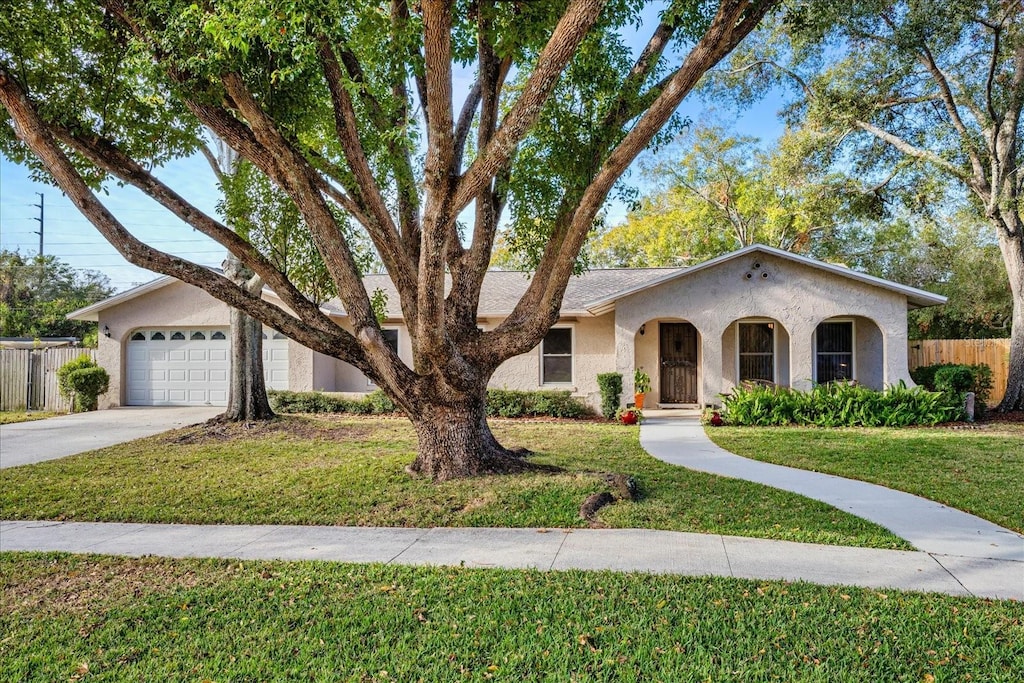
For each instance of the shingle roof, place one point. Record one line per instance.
(502, 289)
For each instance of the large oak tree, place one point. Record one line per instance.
(353, 108)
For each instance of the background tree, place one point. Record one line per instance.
(247, 387)
(268, 219)
(36, 293)
(950, 252)
(350, 106)
(719, 192)
(902, 89)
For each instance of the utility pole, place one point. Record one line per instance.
(41, 205)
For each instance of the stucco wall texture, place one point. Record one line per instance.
(763, 287)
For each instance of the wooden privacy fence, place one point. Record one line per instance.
(994, 353)
(28, 377)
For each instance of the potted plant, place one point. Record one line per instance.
(641, 385)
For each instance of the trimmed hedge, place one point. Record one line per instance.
(376, 403)
(500, 403)
(512, 403)
(82, 380)
(610, 384)
(838, 404)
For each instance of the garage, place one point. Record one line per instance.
(191, 366)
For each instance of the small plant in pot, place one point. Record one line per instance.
(641, 385)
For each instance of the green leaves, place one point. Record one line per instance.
(37, 293)
(721, 193)
(837, 404)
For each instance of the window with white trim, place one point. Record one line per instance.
(556, 356)
(756, 347)
(834, 351)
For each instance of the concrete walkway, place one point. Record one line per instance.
(24, 443)
(929, 526)
(640, 550)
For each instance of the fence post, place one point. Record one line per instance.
(28, 384)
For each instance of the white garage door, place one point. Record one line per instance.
(187, 367)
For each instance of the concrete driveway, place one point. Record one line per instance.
(24, 443)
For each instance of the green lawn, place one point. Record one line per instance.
(350, 471)
(977, 470)
(12, 416)
(118, 619)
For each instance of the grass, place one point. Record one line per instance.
(118, 619)
(350, 471)
(976, 470)
(8, 417)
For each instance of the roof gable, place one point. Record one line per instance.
(916, 298)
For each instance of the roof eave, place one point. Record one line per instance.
(92, 311)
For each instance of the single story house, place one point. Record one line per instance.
(758, 313)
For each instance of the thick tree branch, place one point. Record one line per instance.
(106, 156)
(31, 129)
(952, 110)
(572, 28)
(912, 151)
(381, 227)
(538, 307)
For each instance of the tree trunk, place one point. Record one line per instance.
(455, 440)
(247, 392)
(1012, 248)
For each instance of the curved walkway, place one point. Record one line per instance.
(932, 527)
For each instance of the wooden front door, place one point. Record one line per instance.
(678, 363)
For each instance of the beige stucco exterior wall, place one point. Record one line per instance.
(350, 379)
(799, 297)
(593, 353)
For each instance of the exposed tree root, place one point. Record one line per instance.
(625, 488)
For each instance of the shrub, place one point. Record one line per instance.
(500, 402)
(981, 383)
(513, 403)
(309, 402)
(506, 403)
(380, 403)
(82, 380)
(610, 384)
(837, 404)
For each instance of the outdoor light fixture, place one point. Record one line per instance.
(643, 328)
(106, 330)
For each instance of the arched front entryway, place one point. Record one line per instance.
(678, 360)
(669, 351)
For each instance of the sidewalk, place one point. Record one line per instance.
(640, 550)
